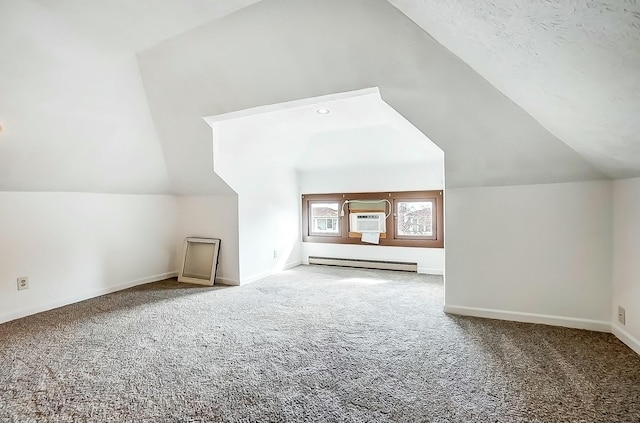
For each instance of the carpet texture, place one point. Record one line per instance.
(310, 344)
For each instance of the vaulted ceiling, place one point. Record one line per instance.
(108, 96)
(72, 105)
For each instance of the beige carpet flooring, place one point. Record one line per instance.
(312, 344)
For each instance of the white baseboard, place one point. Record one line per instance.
(430, 271)
(244, 281)
(624, 336)
(569, 322)
(292, 264)
(7, 317)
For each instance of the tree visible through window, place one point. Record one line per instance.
(414, 218)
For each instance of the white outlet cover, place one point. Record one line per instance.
(23, 283)
(621, 315)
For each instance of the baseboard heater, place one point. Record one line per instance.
(365, 264)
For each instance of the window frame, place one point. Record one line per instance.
(389, 238)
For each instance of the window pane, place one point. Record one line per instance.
(324, 218)
(415, 218)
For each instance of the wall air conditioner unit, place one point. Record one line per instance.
(367, 222)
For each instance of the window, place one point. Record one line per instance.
(413, 219)
(324, 218)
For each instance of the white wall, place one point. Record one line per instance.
(269, 216)
(428, 175)
(214, 216)
(414, 177)
(268, 211)
(539, 253)
(74, 246)
(430, 260)
(626, 260)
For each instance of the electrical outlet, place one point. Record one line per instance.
(621, 315)
(275, 253)
(23, 283)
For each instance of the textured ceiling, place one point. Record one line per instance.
(574, 65)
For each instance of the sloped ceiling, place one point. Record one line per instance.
(283, 50)
(573, 65)
(359, 129)
(76, 116)
(72, 105)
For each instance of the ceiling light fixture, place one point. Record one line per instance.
(322, 111)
